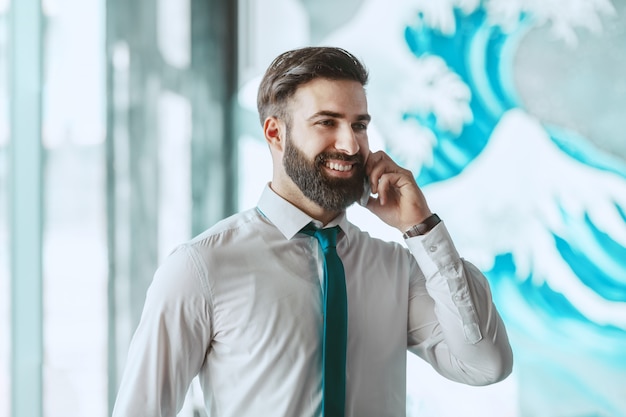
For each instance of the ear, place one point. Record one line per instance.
(274, 131)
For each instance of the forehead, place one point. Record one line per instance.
(321, 94)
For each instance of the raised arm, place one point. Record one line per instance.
(453, 323)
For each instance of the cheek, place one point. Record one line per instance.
(314, 143)
(364, 146)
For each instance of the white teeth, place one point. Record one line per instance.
(338, 167)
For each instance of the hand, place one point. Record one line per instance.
(400, 202)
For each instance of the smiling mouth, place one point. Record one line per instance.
(338, 167)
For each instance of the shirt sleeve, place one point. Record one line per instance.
(170, 343)
(453, 323)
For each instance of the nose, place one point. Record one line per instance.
(347, 141)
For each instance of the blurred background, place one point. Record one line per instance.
(127, 127)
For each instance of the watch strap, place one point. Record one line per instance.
(423, 227)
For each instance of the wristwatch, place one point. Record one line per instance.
(423, 227)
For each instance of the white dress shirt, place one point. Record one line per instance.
(241, 306)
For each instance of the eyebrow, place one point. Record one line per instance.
(328, 113)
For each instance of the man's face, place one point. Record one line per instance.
(326, 144)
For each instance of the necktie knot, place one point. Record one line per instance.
(326, 237)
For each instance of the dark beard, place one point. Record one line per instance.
(333, 194)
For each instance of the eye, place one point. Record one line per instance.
(326, 122)
(359, 126)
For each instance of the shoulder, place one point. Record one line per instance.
(189, 264)
(228, 230)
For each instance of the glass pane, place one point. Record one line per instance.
(5, 305)
(74, 252)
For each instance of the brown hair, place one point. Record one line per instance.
(294, 68)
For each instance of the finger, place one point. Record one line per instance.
(380, 164)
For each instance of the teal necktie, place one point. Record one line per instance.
(335, 323)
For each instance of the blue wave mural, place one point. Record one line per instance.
(473, 52)
(565, 308)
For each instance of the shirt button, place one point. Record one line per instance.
(432, 248)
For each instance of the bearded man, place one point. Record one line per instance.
(288, 309)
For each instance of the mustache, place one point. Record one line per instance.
(323, 157)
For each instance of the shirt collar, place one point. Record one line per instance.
(288, 218)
